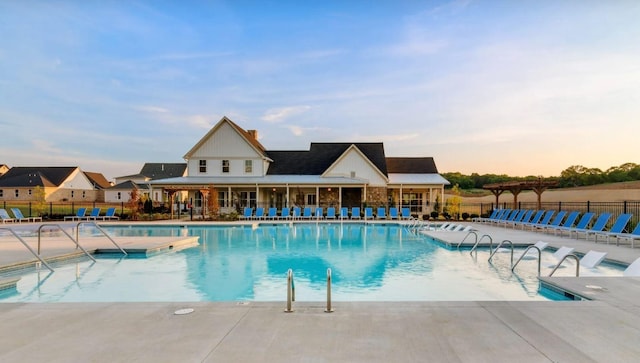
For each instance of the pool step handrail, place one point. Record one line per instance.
(101, 231)
(465, 238)
(329, 309)
(66, 233)
(291, 292)
(563, 259)
(475, 246)
(498, 249)
(524, 254)
(42, 261)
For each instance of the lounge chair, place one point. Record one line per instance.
(493, 215)
(533, 253)
(406, 213)
(545, 220)
(331, 213)
(94, 215)
(355, 213)
(381, 213)
(272, 213)
(633, 269)
(319, 214)
(598, 226)
(393, 213)
(306, 213)
(634, 235)
(296, 213)
(6, 218)
(618, 227)
(20, 217)
(110, 214)
(286, 213)
(556, 221)
(582, 224)
(507, 216)
(534, 220)
(344, 213)
(248, 213)
(80, 214)
(515, 218)
(561, 253)
(259, 213)
(526, 217)
(568, 223)
(592, 259)
(368, 213)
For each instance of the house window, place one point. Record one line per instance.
(413, 201)
(248, 166)
(29, 191)
(1, 193)
(17, 193)
(248, 199)
(222, 200)
(203, 166)
(225, 166)
(83, 194)
(311, 199)
(119, 196)
(72, 194)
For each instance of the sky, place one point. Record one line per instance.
(502, 87)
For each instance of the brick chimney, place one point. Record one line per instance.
(253, 133)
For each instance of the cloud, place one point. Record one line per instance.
(151, 109)
(276, 115)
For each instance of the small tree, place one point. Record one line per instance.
(212, 203)
(133, 203)
(39, 201)
(453, 203)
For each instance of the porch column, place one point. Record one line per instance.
(286, 204)
(317, 196)
(229, 198)
(339, 198)
(400, 198)
(257, 196)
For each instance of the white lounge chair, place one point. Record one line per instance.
(532, 253)
(561, 253)
(592, 259)
(633, 269)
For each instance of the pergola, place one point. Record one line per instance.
(515, 187)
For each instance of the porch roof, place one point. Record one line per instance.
(417, 179)
(265, 180)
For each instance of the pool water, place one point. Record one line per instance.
(369, 262)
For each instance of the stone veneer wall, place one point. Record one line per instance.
(376, 196)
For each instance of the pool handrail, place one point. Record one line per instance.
(564, 258)
(28, 247)
(67, 234)
(99, 229)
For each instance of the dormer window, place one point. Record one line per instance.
(225, 166)
(248, 166)
(203, 166)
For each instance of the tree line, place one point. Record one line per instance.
(573, 176)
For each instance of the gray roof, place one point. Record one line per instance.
(320, 157)
(268, 179)
(129, 185)
(425, 165)
(163, 170)
(20, 176)
(408, 179)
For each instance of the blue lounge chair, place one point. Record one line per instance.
(344, 213)
(556, 221)
(582, 224)
(393, 213)
(514, 218)
(94, 215)
(272, 213)
(526, 217)
(545, 220)
(331, 213)
(110, 214)
(368, 213)
(634, 235)
(248, 213)
(406, 213)
(6, 218)
(534, 220)
(355, 213)
(319, 214)
(286, 213)
(20, 217)
(493, 215)
(568, 222)
(598, 226)
(80, 214)
(505, 215)
(306, 213)
(618, 227)
(381, 213)
(259, 213)
(296, 213)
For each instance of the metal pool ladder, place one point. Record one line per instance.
(291, 292)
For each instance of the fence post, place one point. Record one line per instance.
(121, 208)
(588, 206)
(72, 209)
(625, 207)
(559, 206)
(30, 209)
(50, 210)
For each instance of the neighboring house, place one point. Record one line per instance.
(60, 184)
(155, 171)
(100, 183)
(121, 193)
(244, 173)
(3, 169)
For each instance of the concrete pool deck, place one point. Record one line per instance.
(605, 329)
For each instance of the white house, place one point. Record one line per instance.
(231, 161)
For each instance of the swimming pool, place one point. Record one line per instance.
(369, 262)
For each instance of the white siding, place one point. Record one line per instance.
(353, 161)
(77, 180)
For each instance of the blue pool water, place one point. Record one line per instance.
(369, 262)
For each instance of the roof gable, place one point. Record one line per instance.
(321, 156)
(98, 180)
(20, 176)
(348, 156)
(250, 140)
(424, 165)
